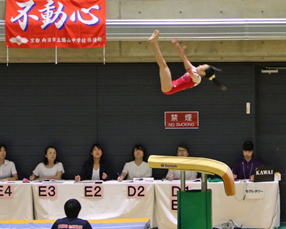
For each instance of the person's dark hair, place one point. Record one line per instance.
(99, 146)
(140, 147)
(3, 146)
(72, 208)
(248, 146)
(210, 75)
(184, 147)
(210, 71)
(45, 160)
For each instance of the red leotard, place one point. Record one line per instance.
(182, 83)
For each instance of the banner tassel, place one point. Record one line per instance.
(104, 55)
(7, 56)
(56, 55)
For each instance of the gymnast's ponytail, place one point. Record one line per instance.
(210, 75)
(219, 84)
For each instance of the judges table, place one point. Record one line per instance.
(108, 200)
(255, 205)
(16, 201)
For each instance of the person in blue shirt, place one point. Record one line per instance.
(72, 209)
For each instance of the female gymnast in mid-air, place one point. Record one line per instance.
(190, 79)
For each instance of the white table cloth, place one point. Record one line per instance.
(16, 202)
(113, 203)
(255, 205)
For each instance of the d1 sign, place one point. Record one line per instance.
(181, 119)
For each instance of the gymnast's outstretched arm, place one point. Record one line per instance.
(181, 51)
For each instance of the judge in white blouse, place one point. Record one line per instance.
(137, 168)
(182, 151)
(50, 168)
(7, 168)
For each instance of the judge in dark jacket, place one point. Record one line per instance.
(93, 168)
(245, 168)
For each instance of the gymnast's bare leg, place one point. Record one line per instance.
(165, 74)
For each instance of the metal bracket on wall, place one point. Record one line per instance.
(272, 69)
(192, 29)
(269, 71)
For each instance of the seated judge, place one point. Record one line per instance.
(138, 168)
(49, 168)
(246, 166)
(93, 168)
(182, 151)
(8, 170)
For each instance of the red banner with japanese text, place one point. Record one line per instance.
(55, 23)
